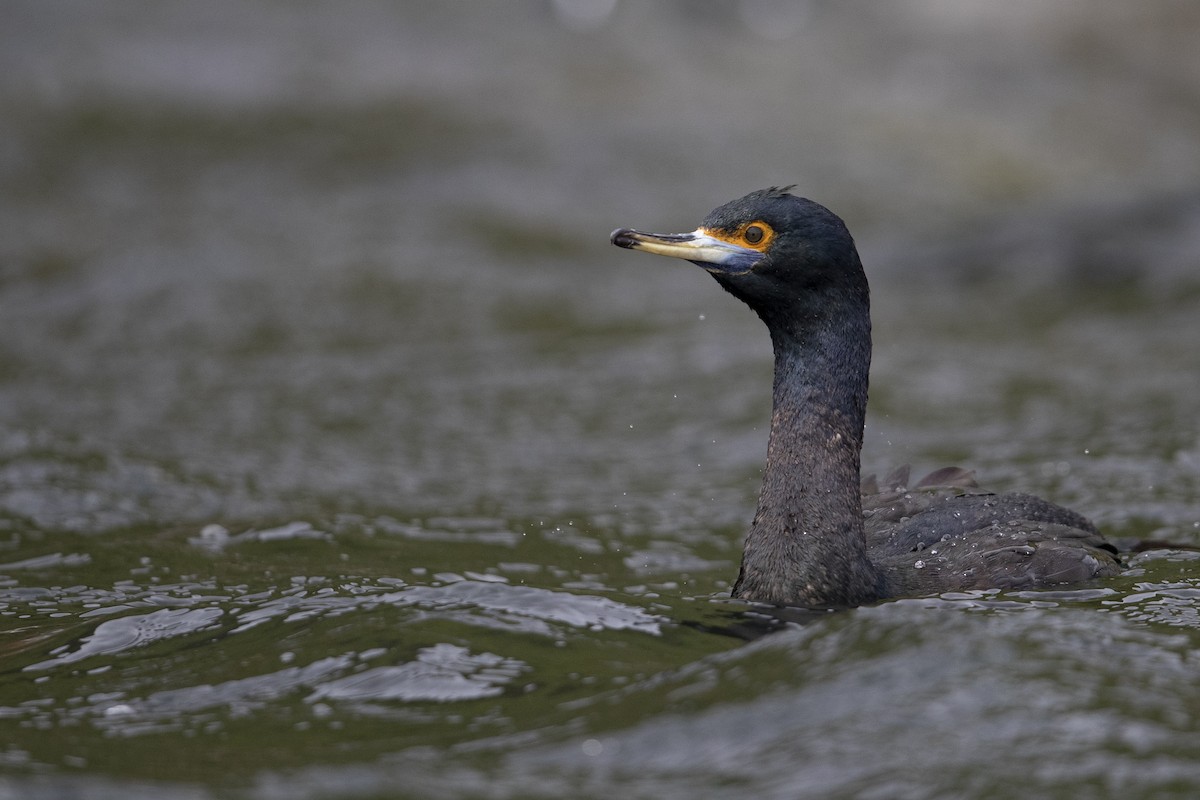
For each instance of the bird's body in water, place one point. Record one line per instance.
(821, 536)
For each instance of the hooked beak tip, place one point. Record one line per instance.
(623, 237)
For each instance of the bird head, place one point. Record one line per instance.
(773, 250)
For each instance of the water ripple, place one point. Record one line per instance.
(443, 673)
(125, 633)
(524, 603)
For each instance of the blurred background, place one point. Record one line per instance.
(335, 279)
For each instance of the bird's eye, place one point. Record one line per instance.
(756, 234)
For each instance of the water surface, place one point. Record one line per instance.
(341, 456)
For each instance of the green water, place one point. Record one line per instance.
(341, 456)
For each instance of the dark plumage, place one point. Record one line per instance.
(821, 537)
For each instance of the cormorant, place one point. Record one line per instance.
(821, 536)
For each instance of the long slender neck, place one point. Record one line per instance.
(807, 545)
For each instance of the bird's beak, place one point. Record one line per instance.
(700, 247)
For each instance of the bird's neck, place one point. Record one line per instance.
(807, 545)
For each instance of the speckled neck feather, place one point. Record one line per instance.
(807, 545)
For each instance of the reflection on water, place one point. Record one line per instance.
(139, 630)
(340, 457)
(442, 672)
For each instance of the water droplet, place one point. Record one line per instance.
(919, 565)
